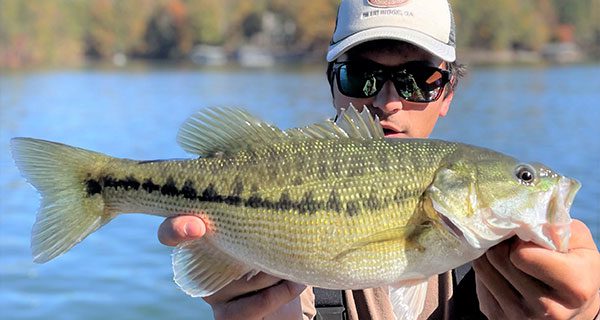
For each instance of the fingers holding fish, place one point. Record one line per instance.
(175, 230)
(532, 291)
(554, 268)
(261, 296)
(524, 279)
(494, 291)
(289, 311)
(243, 286)
(487, 303)
(573, 275)
(519, 296)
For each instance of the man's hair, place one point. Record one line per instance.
(457, 70)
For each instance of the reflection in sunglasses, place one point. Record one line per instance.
(434, 77)
(370, 86)
(409, 88)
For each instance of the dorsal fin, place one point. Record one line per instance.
(225, 129)
(350, 124)
(360, 124)
(322, 130)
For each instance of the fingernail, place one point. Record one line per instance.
(187, 230)
(191, 230)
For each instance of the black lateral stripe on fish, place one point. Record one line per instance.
(150, 186)
(305, 205)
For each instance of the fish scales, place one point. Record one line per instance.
(334, 205)
(275, 232)
(349, 183)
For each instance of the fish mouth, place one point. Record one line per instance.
(558, 227)
(571, 186)
(451, 226)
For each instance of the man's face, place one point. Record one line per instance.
(399, 118)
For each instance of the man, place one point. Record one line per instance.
(393, 57)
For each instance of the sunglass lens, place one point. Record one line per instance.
(358, 81)
(420, 84)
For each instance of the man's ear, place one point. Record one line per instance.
(446, 103)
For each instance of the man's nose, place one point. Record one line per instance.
(388, 100)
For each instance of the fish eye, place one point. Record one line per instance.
(525, 174)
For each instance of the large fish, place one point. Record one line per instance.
(334, 205)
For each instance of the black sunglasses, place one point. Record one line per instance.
(414, 81)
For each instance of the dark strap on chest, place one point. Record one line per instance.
(465, 304)
(330, 304)
(459, 273)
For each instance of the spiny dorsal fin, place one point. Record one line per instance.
(215, 130)
(350, 124)
(360, 124)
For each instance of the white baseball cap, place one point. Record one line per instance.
(428, 24)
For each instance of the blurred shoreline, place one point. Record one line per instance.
(557, 54)
(266, 33)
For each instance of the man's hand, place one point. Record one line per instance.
(262, 297)
(520, 280)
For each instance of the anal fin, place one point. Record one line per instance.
(200, 269)
(408, 299)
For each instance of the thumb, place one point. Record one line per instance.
(178, 229)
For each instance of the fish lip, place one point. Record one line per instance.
(573, 187)
(559, 229)
(565, 194)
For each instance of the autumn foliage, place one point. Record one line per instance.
(67, 32)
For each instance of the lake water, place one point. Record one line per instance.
(122, 272)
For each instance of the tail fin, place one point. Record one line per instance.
(67, 213)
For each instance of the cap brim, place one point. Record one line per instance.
(442, 50)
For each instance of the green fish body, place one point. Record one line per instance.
(334, 205)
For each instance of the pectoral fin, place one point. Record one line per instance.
(200, 269)
(407, 235)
